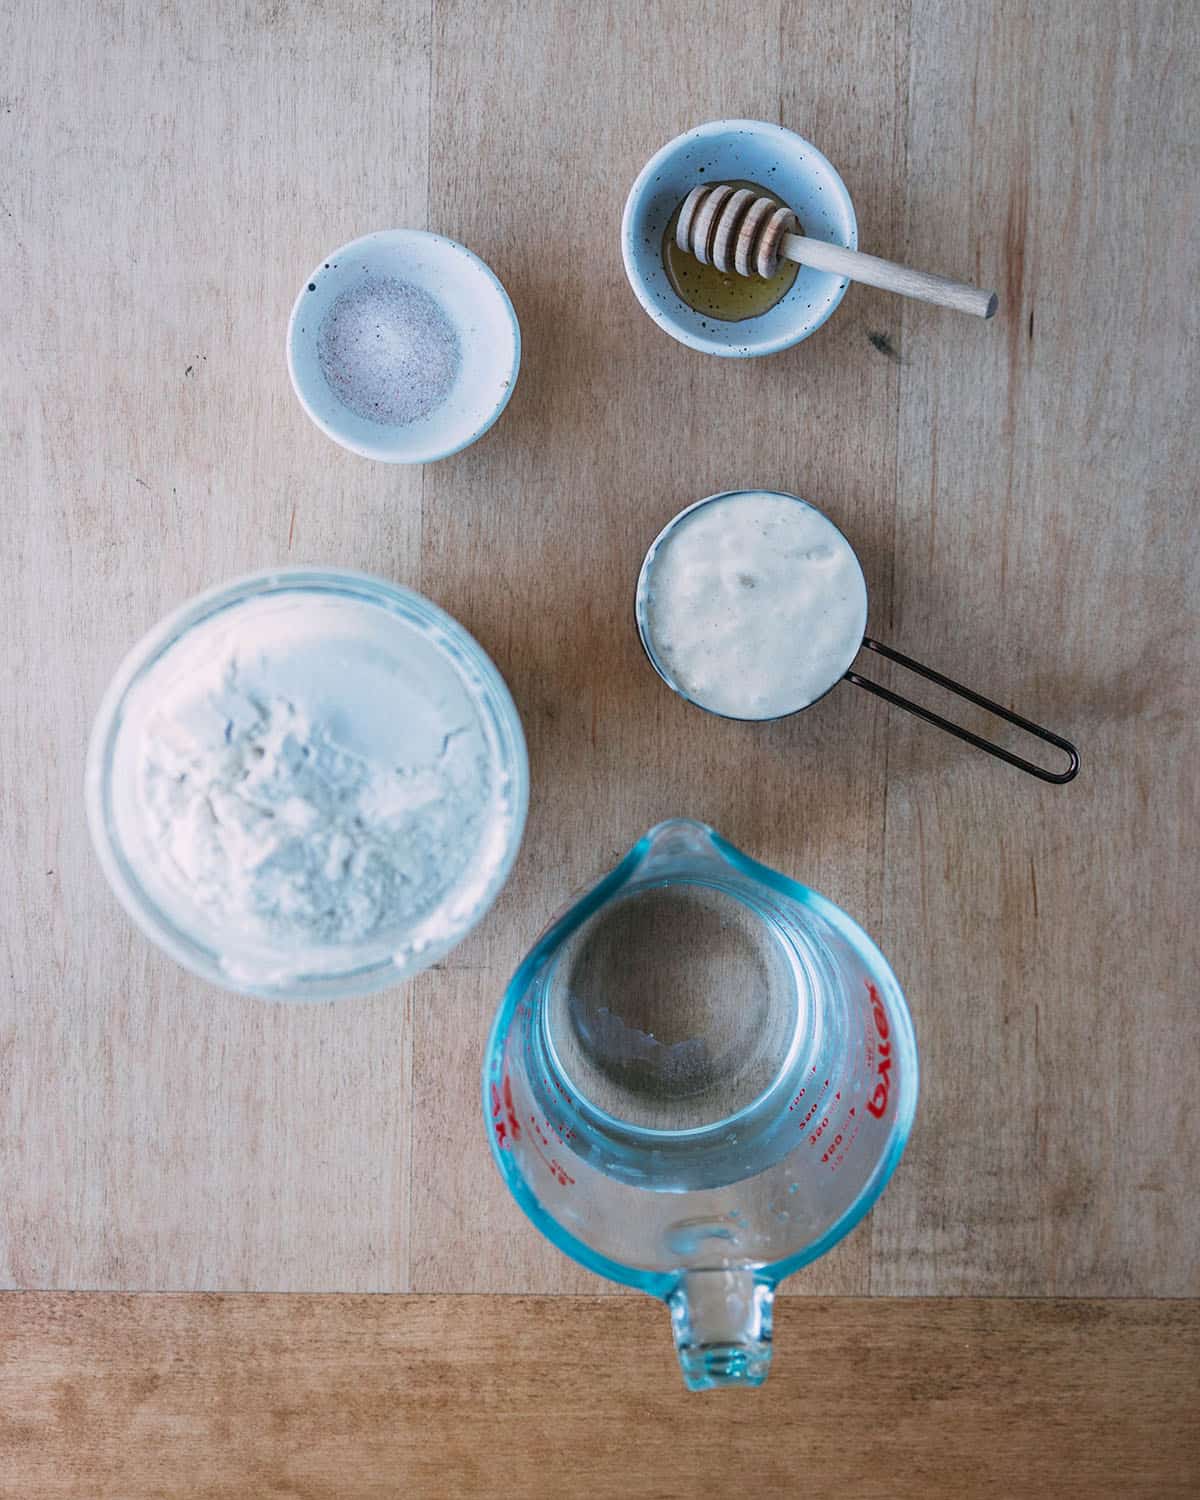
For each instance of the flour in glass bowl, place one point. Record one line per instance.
(307, 782)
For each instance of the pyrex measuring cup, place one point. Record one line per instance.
(699, 1080)
(839, 616)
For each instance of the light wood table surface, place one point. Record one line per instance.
(1023, 497)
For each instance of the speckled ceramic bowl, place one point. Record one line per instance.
(477, 306)
(789, 168)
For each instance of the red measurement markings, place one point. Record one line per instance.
(843, 1134)
(824, 1124)
(813, 1107)
(504, 1114)
(508, 1131)
(552, 1164)
(563, 1132)
(560, 1135)
(562, 1175)
(553, 1083)
(878, 1102)
(795, 1104)
(840, 1148)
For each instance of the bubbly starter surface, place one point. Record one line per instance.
(754, 604)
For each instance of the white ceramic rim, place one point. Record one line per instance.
(382, 453)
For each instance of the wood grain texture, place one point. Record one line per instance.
(1047, 552)
(1020, 494)
(166, 187)
(124, 1398)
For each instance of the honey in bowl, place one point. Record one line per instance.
(724, 295)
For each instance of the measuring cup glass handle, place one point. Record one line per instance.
(722, 1325)
(1059, 777)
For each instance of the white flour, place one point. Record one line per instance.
(312, 774)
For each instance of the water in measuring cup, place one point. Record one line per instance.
(753, 604)
(684, 1020)
(700, 1078)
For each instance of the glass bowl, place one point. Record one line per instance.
(190, 638)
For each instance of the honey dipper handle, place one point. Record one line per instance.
(886, 274)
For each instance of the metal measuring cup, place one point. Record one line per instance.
(868, 643)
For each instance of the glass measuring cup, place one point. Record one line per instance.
(699, 1080)
(726, 614)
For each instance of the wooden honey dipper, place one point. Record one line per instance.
(735, 229)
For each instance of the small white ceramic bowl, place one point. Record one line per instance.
(789, 168)
(476, 304)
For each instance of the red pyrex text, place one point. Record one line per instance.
(877, 1103)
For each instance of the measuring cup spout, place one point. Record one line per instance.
(677, 844)
(677, 848)
(722, 1325)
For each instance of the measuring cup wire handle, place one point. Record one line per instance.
(1058, 777)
